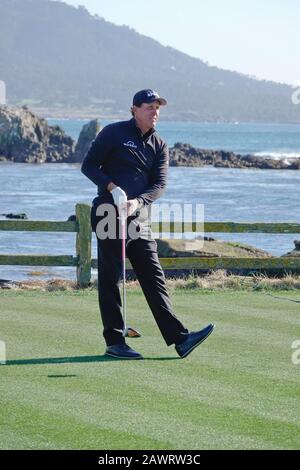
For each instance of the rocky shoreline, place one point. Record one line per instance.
(187, 155)
(26, 138)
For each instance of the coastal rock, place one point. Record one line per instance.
(295, 252)
(207, 247)
(26, 138)
(87, 135)
(8, 284)
(21, 216)
(295, 165)
(185, 155)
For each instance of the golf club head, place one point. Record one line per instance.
(131, 333)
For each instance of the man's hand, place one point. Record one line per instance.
(111, 186)
(120, 198)
(125, 208)
(132, 206)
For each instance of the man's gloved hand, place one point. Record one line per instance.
(120, 199)
(132, 206)
(119, 196)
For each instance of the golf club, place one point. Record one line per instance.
(128, 332)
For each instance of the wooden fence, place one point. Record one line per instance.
(83, 260)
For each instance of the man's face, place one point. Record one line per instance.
(147, 115)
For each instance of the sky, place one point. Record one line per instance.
(257, 37)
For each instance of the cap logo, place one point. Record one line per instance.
(151, 93)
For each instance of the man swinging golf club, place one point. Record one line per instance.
(128, 161)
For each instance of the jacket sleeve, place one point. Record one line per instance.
(158, 180)
(98, 152)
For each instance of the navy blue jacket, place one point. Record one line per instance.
(135, 162)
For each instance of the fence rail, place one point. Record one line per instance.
(38, 226)
(225, 227)
(84, 263)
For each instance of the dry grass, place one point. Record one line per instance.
(287, 282)
(39, 285)
(215, 280)
(221, 280)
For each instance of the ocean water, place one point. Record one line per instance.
(50, 191)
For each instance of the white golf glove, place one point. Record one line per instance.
(132, 206)
(120, 199)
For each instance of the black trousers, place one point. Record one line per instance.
(143, 256)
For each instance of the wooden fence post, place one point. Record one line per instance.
(83, 244)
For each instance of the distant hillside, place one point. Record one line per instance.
(54, 55)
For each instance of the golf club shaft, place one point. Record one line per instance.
(124, 271)
(127, 331)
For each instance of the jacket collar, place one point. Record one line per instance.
(137, 129)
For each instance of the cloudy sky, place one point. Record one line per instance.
(250, 36)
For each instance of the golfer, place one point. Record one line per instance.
(128, 161)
